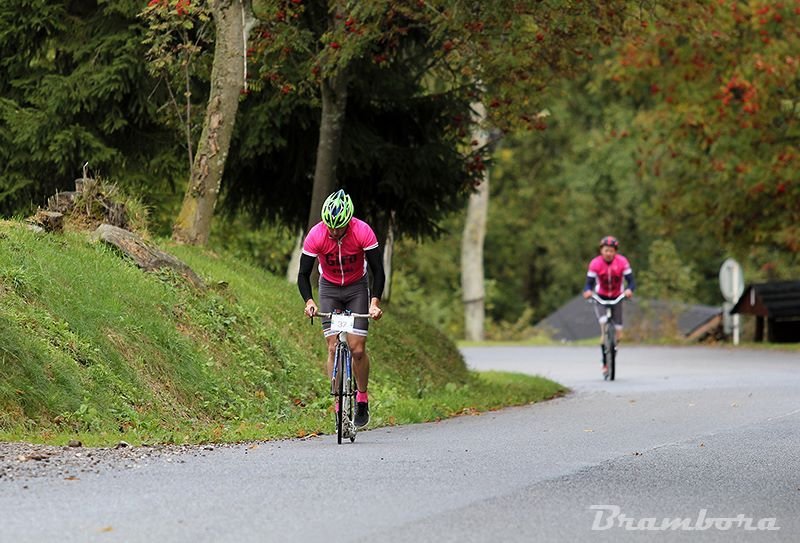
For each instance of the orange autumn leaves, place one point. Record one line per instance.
(181, 6)
(719, 84)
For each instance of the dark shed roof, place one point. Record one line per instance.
(576, 320)
(778, 299)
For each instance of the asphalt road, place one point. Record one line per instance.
(706, 438)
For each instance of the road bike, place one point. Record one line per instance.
(343, 379)
(609, 333)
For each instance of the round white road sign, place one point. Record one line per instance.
(731, 280)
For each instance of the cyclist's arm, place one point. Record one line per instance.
(591, 281)
(629, 281)
(375, 261)
(304, 276)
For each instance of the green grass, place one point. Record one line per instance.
(484, 391)
(95, 349)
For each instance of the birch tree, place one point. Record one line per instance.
(472, 268)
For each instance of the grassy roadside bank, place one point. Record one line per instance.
(91, 348)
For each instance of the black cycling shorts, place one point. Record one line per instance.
(616, 313)
(354, 297)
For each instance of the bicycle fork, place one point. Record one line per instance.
(606, 322)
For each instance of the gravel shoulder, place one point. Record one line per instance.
(21, 461)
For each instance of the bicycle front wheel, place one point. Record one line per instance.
(339, 394)
(612, 351)
(348, 394)
(350, 403)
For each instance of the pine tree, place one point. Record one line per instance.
(74, 89)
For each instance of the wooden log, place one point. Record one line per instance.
(144, 254)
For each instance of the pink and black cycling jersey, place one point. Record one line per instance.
(341, 262)
(609, 275)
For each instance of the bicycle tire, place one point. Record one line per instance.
(612, 351)
(350, 394)
(604, 348)
(339, 371)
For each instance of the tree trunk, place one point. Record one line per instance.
(388, 254)
(233, 19)
(472, 261)
(334, 102)
(294, 262)
(472, 249)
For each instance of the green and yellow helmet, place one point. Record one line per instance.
(337, 210)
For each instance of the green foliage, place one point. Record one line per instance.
(267, 246)
(517, 50)
(556, 189)
(666, 277)
(684, 131)
(426, 278)
(404, 148)
(554, 193)
(645, 146)
(75, 89)
(178, 38)
(91, 346)
(717, 89)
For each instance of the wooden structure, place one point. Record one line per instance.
(776, 306)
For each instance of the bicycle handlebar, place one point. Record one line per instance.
(601, 301)
(358, 315)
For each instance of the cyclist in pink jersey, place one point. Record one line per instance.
(605, 275)
(344, 246)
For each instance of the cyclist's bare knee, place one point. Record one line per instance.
(331, 340)
(358, 354)
(358, 347)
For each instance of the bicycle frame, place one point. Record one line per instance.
(343, 383)
(342, 389)
(609, 334)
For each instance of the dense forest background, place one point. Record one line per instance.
(673, 126)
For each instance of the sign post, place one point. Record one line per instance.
(731, 284)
